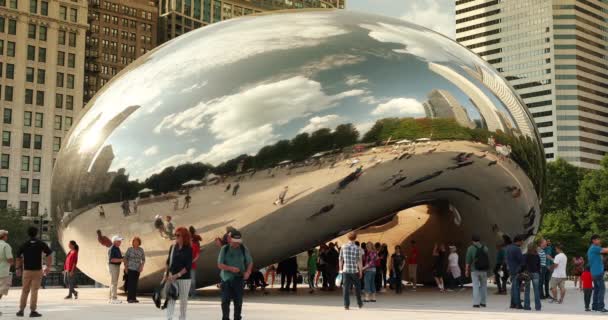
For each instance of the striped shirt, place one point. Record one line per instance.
(543, 257)
(350, 255)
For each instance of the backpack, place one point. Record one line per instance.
(242, 246)
(482, 261)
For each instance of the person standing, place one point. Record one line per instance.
(6, 261)
(542, 244)
(454, 269)
(236, 188)
(115, 259)
(69, 270)
(578, 267)
(412, 265)
(332, 266)
(397, 265)
(500, 270)
(596, 265)
(383, 265)
(351, 265)
(196, 252)
(135, 258)
(532, 267)
(312, 269)
(322, 267)
(515, 263)
(169, 228)
(177, 271)
(236, 264)
(477, 266)
(559, 276)
(29, 266)
(549, 254)
(587, 283)
(439, 265)
(369, 273)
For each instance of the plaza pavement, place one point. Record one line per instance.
(423, 304)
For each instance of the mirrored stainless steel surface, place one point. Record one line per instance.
(295, 128)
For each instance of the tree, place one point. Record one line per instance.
(12, 221)
(321, 140)
(563, 181)
(345, 135)
(592, 200)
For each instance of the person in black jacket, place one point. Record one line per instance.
(177, 271)
(288, 269)
(332, 266)
(532, 268)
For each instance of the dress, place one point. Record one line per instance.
(439, 265)
(453, 265)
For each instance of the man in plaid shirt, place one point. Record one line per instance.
(351, 265)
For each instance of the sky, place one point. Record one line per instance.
(437, 15)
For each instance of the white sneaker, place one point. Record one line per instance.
(115, 301)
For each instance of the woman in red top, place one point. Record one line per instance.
(196, 252)
(69, 269)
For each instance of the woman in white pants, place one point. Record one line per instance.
(179, 264)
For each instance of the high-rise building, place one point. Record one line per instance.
(120, 31)
(553, 52)
(42, 46)
(180, 16)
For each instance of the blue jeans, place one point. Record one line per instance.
(351, 279)
(599, 288)
(515, 294)
(541, 281)
(535, 279)
(369, 278)
(232, 290)
(480, 287)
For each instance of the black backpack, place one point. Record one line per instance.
(482, 261)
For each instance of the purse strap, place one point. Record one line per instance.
(170, 258)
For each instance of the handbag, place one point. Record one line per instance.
(524, 276)
(167, 290)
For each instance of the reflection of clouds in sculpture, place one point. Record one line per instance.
(364, 127)
(316, 123)
(329, 62)
(173, 160)
(249, 141)
(153, 150)
(404, 107)
(275, 103)
(193, 87)
(354, 80)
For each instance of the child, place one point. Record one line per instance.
(587, 282)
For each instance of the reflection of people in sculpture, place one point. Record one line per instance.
(187, 200)
(228, 187)
(271, 272)
(126, 210)
(102, 213)
(349, 178)
(103, 240)
(236, 188)
(397, 175)
(135, 205)
(175, 204)
(282, 195)
(354, 162)
(169, 227)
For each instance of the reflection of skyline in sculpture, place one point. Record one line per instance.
(442, 104)
(325, 80)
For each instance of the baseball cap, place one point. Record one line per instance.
(117, 238)
(475, 237)
(235, 236)
(3, 233)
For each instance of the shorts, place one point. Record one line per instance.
(558, 282)
(5, 284)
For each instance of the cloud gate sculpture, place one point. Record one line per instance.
(351, 117)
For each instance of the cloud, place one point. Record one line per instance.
(355, 80)
(400, 107)
(275, 102)
(434, 15)
(246, 143)
(315, 123)
(153, 150)
(173, 160)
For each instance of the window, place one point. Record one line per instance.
(34, 6)
(10, 71)
(39, 120)
(23, 207)
(25, 163)
(29, 96)
(44, 8)
(71, 60)
(68, 123)
(63, 12)
(41, 77)
(70, 82)
(6, 138)
(73, 15)
(58, 122)
(29, 74)
(10, 49)
(2, 23)
(60, 79)
(69, 102)
(31, 53)
(40, 98)
(27, 118)
(35, 204)
(1, 47)
(56, 143)
(42, 33)
(37, 164)
(61, 37)
(3, 204)
(35, 186)
(41, 54)
(8, 93)
(5, 161)
(12, 26)
(24, 187)
(37, 142)
(58, 100)
(72, 39)
(8, 116)
(3, 184)
(31, 31)
(27, 141)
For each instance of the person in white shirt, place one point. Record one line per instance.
(6, 261)
(558, 279)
